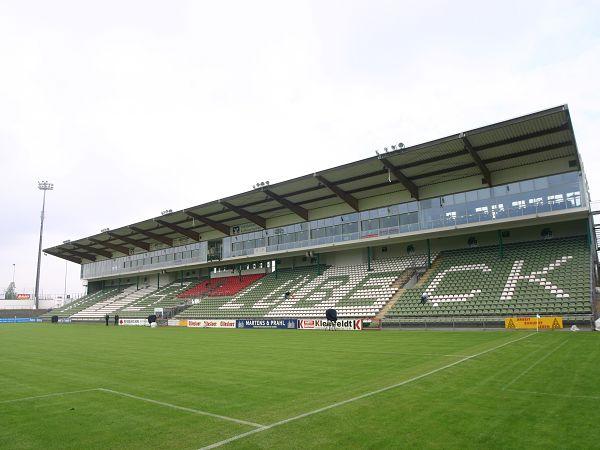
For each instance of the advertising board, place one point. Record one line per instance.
(133, 322)
(211, 323)
(322, 324)
(533, 323)
(19, 319)
(283, 324)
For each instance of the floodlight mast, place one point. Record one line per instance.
(42, 186)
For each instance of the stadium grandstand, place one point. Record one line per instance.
(468, 229)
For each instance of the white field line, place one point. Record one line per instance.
(593, 397)
(360, 397)
(182, 408)
(149, 400)
(55, 394)
(535, 363)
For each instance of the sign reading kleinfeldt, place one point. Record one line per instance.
(285, 324)
(211, 323)
(321, 324)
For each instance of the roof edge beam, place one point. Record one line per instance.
(139, 244)
(92, 250)
(78, 254)
(343, 195)
(73, 259)
(403, 179)
(295, 208)
(487, 176)
(194, 235)
(258, 220)
(151, 235)
(524, 137)
(496, 159)
(211, 223)
(116, 247)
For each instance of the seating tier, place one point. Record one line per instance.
(542, 277)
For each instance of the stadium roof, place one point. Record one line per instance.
(541, 136)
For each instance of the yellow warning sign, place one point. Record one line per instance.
(533, 323)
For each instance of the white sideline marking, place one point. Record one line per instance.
(593, 397)
(359, 397)
(510, 383)
(56, 394)
(182, 408)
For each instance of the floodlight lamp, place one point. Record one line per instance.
(45, 186)
(67, 241)
(104, 230)
(400, 145)
(267, 182)
(166, 211)
(393, 147)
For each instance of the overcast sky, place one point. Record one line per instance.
(133, 107)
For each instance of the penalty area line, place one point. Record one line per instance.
(360, 397)
(55, 394)
(182, 408)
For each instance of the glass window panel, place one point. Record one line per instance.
(428, 203)
(409, 218)
(388, 222)
(555, 180)
(499, 191)
(526, 186)
(348, 228)
(483, 194)
(540, 183)
(460, 198)
(513, 188)
(574, 198)
(448, 200)
(471, 196)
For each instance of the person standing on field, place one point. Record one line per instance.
(106, 319)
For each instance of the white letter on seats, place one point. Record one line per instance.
(454, 297)
(533, 277)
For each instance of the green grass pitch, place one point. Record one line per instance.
(90, 386)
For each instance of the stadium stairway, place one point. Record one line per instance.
(166, 297)
(113, 304)
(353, 290)
(82, 303)
(548, 277)
(398, 284)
